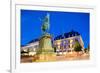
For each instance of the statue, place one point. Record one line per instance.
(45, 52)
(45, 25)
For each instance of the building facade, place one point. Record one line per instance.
(30, 49)
(63, 43)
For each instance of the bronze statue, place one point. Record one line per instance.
(45, 25)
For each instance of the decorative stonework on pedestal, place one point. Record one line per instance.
(45, 51)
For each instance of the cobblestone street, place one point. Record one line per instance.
(68, 57)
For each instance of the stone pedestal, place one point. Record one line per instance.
(45, 51)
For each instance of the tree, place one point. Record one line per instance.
(55, 49)
(77, 46)
(88, 48)
(85, 50)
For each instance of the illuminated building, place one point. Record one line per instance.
(66, 42)
(63, 43)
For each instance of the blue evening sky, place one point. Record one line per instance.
(60, 22)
